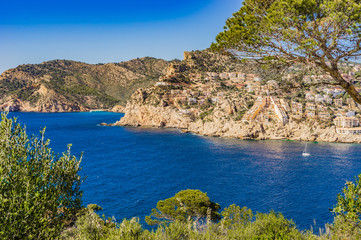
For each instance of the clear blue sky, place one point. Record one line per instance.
(33, 31)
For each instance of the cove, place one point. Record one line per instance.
(130, 169)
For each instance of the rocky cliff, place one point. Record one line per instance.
(141, 111)
(63, 86)
(220, 113)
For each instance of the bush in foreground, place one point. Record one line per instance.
(39, 191)
(187, 205)
(236, 223)
(347, 223)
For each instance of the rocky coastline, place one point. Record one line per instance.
(19, 106)
(219, 124)
(213, 95)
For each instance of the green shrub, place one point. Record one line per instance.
(271, 226)
(39, 191)
(204, 114)
(348, 212)
(89, 226)
(234, 216)
(186, 206)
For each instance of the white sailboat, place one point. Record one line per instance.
(305, 153)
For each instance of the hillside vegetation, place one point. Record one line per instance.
(63, 85)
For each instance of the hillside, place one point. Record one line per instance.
(62, 85)
(216, 95)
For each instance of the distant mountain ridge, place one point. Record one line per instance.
(64, 85)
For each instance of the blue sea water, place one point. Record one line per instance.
(130, 169)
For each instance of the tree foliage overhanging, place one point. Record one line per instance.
(316, 33)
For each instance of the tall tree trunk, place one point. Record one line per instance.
(348, 87)
(209, 215)
(189, 222)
